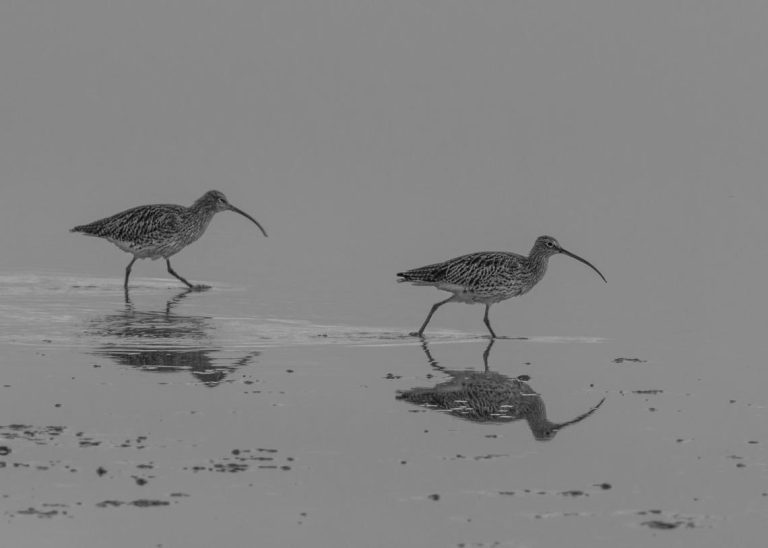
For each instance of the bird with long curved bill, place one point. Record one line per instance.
(161, 230)
(488, 277)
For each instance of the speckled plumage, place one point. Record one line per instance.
(488, 277)
(483, 277)
(490, 397)
(160, 230)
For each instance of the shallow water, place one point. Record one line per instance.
(369, 138)
(175, 418)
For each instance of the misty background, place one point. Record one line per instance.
(372, 137)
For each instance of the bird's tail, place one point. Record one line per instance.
(416, 395)
(90, 230)
(425, 275)
(401, 277)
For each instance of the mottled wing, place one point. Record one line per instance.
(430, 274)
(476, 270)
(482, 269)
(482, 397)
(137, 227)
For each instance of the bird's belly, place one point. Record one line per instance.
(480, 295)
(149, 250)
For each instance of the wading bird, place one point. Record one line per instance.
(488, 277)
(488, 397)
(161, 230)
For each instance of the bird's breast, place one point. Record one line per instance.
(482, 295)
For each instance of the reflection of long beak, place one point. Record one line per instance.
(586, 262)
(580, 417)
(244, 214)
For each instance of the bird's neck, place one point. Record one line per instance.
(203, 203)
(536, 417)
(538, 263)
(201, 213)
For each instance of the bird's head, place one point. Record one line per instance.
(546, 246)
(215, 200)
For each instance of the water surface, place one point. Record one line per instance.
(369, 138)
(165, 420)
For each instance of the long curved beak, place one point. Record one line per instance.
(580, 418)
(551, 428)
(586, 262)
(244, 214)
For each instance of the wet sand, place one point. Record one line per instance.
(179, 419)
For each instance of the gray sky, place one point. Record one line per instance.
(369, 137)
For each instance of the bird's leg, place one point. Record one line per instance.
(175, 300)
(432, 361)
(488, 322)
(173, 273)
(487, 352)
(420, 332)
(128, 273)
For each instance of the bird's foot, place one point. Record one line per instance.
(416, 334)
(200, 287)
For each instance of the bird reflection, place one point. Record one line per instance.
(489, 397)
(162, 341)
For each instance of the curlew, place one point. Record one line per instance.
(488, 277)
(490, 397)
(161, 230)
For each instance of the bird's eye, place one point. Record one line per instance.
(550, 244)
